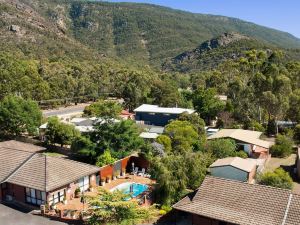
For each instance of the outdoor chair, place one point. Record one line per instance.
(142, 172)
(135, 172)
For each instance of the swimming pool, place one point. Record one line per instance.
(134, 189)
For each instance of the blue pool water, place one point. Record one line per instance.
(134, 189)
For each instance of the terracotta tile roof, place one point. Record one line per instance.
(17, 145)
(242, 203)
(10, 161)
(247, 136)
(237, 162)
(293, 215)
(47, 173)
(22, 164)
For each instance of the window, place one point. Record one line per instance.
(84, 183)
(56, 197)
(35, 197)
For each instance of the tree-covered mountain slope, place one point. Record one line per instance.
(213, 52)
(136, 33)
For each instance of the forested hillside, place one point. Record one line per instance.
(136, 33)
(81, 50)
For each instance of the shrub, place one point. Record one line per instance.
(279, 178)
(242, 154)
(283, 146)
(222, 148)
(254, 125)
(105, 159)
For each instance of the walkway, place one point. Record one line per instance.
(129, 178)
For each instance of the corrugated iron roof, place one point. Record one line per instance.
(157, 109)
(237, 162)
(247, 136)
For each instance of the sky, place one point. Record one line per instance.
(282, 15)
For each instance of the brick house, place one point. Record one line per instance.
(29, 176)
(246, 140)
(220, 201)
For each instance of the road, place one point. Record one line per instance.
(63, 111)
(9, 216)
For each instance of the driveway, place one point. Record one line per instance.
(9, 216)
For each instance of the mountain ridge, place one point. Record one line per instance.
(141, 34)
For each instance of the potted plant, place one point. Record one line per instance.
(77, 192)
(92, 187)
(103, 181)
(108, 179)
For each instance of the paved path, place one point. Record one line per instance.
(9, 216)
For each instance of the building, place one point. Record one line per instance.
(158, 116)
(29, 176)
(126, 115)
(152, 132)
(234, 168)
(246, 140)
(226, 202)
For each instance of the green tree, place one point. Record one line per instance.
(60, 133)
(279, 178)
(18, 116)
(297, 134)
(222, 148)
(254, 125)
(207, 104)
(195, 120)
(84, 148)
(122, 138)
(283, 146)
(294, 109)
(165, 141)
(114, 208)
(105, 159)
(183, 135)
(101, 108)
(177, 174)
